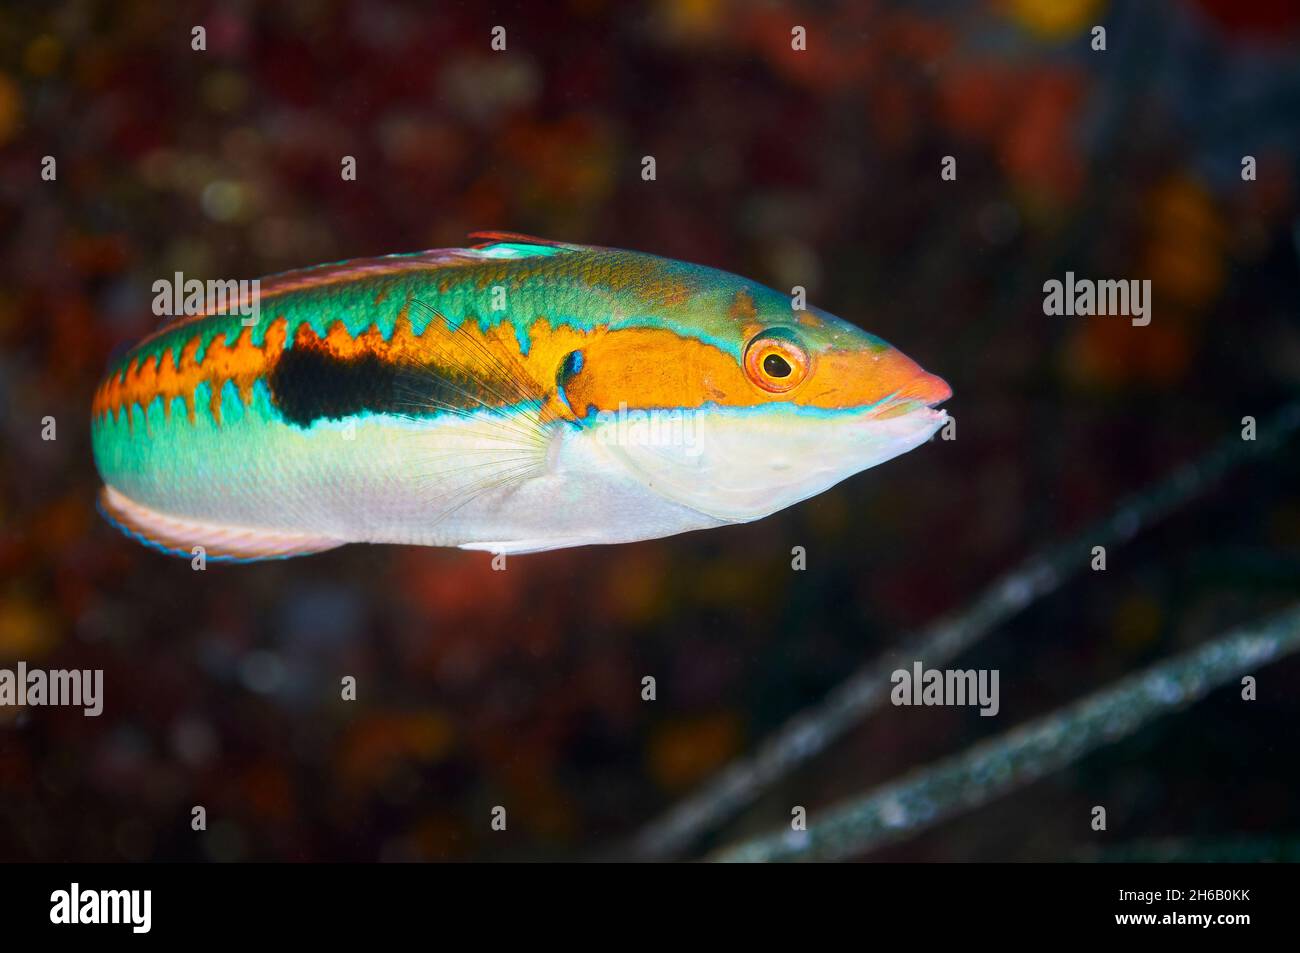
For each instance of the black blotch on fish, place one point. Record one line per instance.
(311, 383)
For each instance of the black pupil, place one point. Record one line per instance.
(776, 366)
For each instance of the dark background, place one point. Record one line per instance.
(818, 168)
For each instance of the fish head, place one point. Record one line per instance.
(739, 406)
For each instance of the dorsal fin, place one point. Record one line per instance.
(514, 245)
(496, 245)
(336, 272)
(517, 238)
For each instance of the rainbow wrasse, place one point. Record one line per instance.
(516, 396)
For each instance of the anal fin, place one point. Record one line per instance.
(221, 543)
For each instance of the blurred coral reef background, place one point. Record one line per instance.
(820, 168)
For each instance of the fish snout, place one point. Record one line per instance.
(901, 383)
(930, 389)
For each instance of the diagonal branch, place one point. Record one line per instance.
(812, 731)
(927, 796)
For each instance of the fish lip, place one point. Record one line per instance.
(927, 392)
(931, 389)
(903, 405)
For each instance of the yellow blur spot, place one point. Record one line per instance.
(635, 594)
(10, 108)
(686, 751)
(225, 90)
(25, 632)
(692, 18)
(1137, 622)
(381, 741)
(1185, 256)
(1055, 19)
(43, 55)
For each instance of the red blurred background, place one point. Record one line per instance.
(818, 168)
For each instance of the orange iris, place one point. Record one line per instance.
(775, 364)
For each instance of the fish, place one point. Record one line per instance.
(516, 395)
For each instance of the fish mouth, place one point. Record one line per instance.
(923, 394)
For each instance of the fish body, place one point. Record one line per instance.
(517, 396)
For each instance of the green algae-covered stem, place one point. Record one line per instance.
(1025, 754)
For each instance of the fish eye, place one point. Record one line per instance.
(775, 363)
